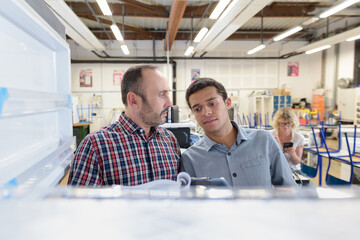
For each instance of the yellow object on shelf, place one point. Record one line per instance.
(314, 112)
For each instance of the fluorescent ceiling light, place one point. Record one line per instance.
(353, 38)
(287, 33)
(254, 50)
(318, 49)
(337, 8)
(74, 27)
(104, 7)
(125, 49)
(117, 32)
(201, 34)
(235, 15)
(338, 38)
(219, 9)
(189, 51)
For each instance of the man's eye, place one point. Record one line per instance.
(212, 103)
(196, 109)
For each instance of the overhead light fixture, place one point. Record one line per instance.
(189, 51)
(125, 49)
(353, 38)
(104, 7)
(337, 8)
(235, 15)
(117, 32)
(201, 34)
(318, 49)
(335, 39)
(74, 27)
(254, 50)
(219, 9)
(287, 33)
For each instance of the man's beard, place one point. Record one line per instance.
(149, 117)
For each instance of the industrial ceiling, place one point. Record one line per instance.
(181, 20)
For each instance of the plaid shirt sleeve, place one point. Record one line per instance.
(85, 169)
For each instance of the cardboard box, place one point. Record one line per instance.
(283, 92)
(277, 91)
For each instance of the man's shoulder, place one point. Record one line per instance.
(196, 148)
(165, 132)
(102, 132)
(256, 132)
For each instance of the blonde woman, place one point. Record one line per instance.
(285, 123)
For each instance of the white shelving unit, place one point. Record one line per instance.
(261, 104)
(36, 140)
(347, 100)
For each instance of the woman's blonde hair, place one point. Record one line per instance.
(285, 114)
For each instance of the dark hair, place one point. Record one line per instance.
(132, 81)
(202, 83)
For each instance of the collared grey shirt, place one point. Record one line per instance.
(254, 160)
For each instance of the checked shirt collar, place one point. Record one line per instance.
(131, 127)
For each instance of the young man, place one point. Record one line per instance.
(244, 157)
(133, 150)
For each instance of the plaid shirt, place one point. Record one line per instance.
(120, 154)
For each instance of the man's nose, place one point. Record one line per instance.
(168, 101)
(206, 111)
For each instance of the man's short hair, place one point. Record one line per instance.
(132, 81)
(202, 83)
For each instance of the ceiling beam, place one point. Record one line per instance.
(131, 9)
(185, 35)
(150, 35)
(277, 10)
(128, 35)
(351, 11)
(157, 10)
(198, 11)
(176, 13)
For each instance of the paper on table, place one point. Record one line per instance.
(182, 183)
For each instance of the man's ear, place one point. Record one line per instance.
(228, 103)
(132, 99)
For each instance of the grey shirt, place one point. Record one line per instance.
(254, 160)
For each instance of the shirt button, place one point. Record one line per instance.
(234, 175)
(229, 153)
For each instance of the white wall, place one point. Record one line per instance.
(240, 77)
(344, 69)
(103, 85)
(309, 75)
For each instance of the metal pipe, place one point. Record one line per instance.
(154, 52)
(336, 74)
(262, 25)
(164, 58)
(118, 61)
(123, 19)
